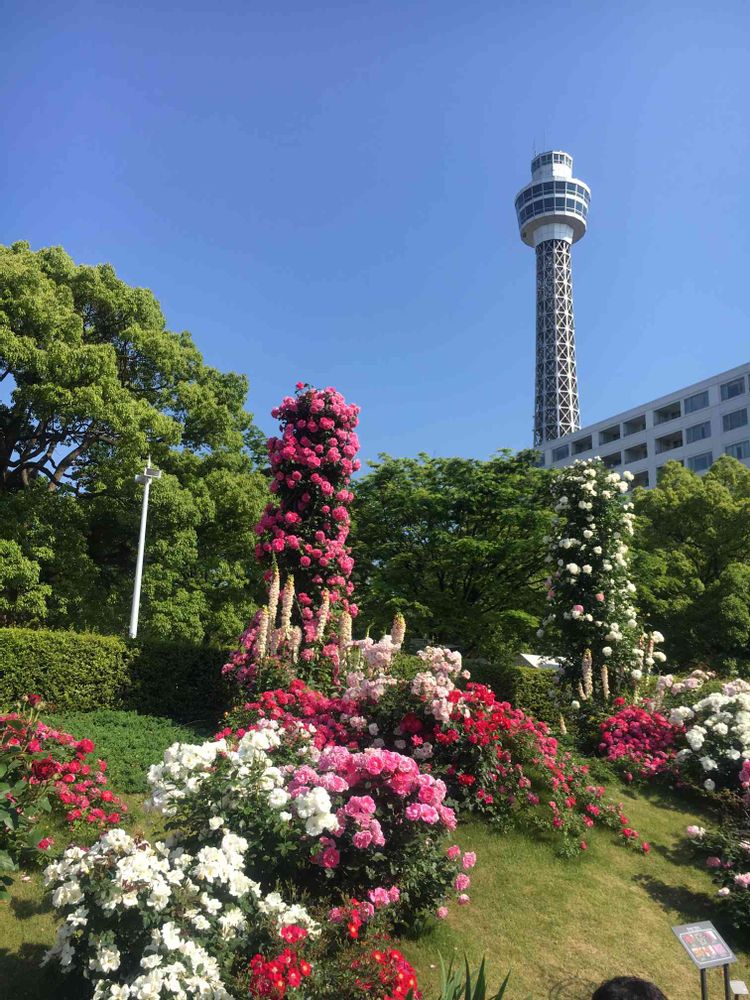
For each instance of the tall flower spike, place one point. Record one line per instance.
(273, 600)
(605, 682)
(325, 607)
(295, 641)
(398, 629)
(262, 639)
(586, 674)
(345, 633)
(287, 602)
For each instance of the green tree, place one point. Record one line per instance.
(95, 383)
(456, 545)
(23, 599)
(693, 563)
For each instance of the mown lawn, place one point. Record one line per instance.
(561, 926)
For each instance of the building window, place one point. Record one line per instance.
(636, 453)
(558, 454)
(699, 463)
(583, 444)
(741, 450)
(669, 442)
(699, 401)
(609, 434)
(698, 432)
(640, 479)
(735, 419)
(634, 425)
(613, 460)
(669, 412)
(734, 388)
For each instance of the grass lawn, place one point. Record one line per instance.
(564, 926)
(561, 926)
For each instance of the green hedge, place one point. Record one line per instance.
(69, 669)
(76, 671)
(524, 687)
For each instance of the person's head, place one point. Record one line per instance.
(628, 988)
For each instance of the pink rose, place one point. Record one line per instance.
(441, 912)
(462, 882)
(463, 899)
(453, 852)
(469, 860)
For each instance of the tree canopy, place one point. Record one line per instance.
(456, 545)
(693, 563)
(92, 383)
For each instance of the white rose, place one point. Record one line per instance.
(709, 785)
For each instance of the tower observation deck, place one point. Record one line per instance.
(552, 211)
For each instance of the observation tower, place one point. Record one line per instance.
(552, 212)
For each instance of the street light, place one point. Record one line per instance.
(145, 479)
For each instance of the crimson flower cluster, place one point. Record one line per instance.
(272, 977)
(645, 739)
(385, 973)
(324, 717)
(306, 530)
(58, 762)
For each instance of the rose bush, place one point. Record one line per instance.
(592, 622)
(47, 776)
(726, 853)
(640, 738)
(319, 823)
(716, 739)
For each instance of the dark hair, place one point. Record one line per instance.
(628, 988)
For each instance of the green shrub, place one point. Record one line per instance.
(77, 671)
(178, 679)
(70, 670)
(524, 687)
(129, 742)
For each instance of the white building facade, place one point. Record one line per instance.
(693, 426)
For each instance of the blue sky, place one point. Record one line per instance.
(324, 191)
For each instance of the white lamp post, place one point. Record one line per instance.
(148, 474)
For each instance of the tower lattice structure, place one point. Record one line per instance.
(552, 214)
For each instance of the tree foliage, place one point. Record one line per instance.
(94, 382)
(456, 545)
(693, 563)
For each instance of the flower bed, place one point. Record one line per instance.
(315, 823)
(49, 776)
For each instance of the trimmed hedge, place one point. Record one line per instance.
(78, 671)
(68, 669)
(524, 687)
